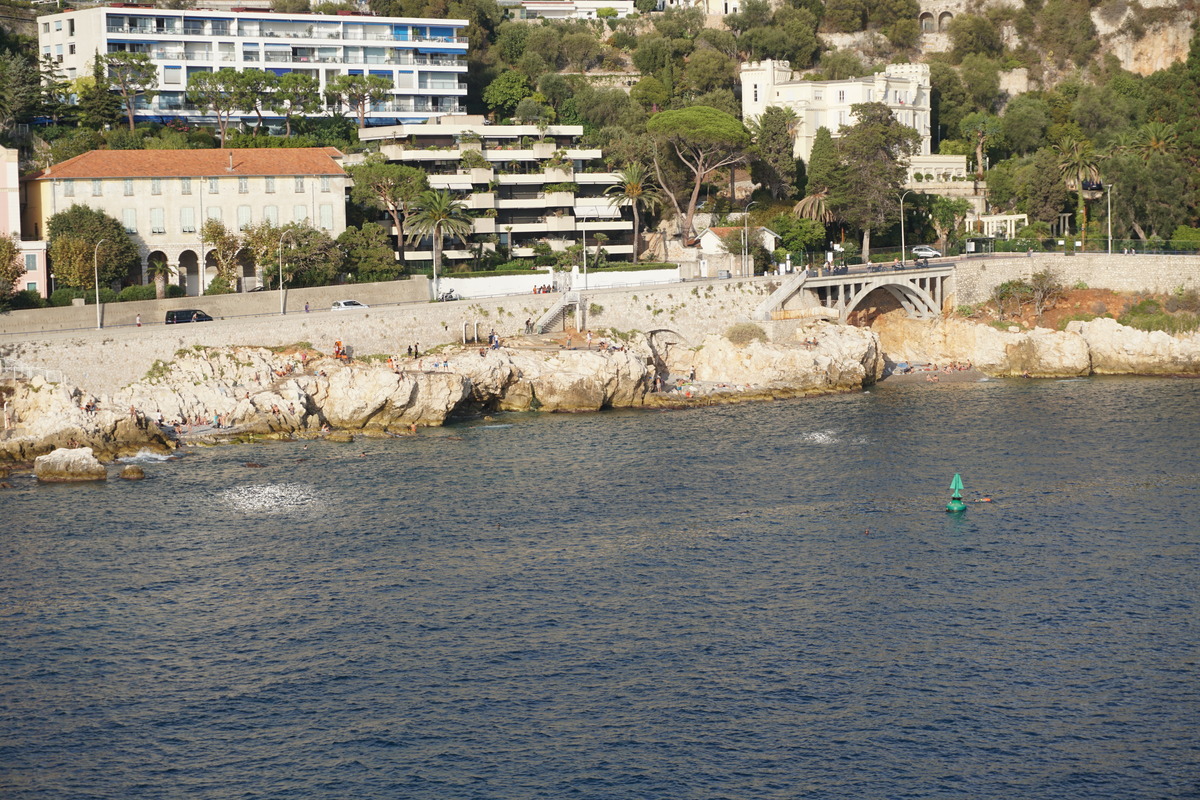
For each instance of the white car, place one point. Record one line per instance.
(347, 305)
(924, 251)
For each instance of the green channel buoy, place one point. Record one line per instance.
(956, 504)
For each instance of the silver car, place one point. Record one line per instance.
(925, 251)
(347, 305)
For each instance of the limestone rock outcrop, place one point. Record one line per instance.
(1040, 353)
(841, 358)
(1101, 346)
(43, 416)
(213, 394)
(1118, 350)
(65, 465)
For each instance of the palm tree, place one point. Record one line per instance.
(160, 271)
(1156, 138)
(439, 213)
(1078, 163)
(815, 206)
(635, 189)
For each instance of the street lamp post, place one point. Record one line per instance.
(746, 238)
(96, 275)
(903, 248)
(1109, 192)
(282, 310)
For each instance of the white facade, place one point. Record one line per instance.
(35, 278)
(573, 9)
(537, 186)
(424, 58)
(164, 197)
(711, 8)
(904, 88)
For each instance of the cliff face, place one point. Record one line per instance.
(838, 358)
(41, 417)
(254, 391)
(1102, 346)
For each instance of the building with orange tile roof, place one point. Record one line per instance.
(163, 197)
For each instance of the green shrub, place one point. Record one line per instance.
(219, 285)
(1146, 307)
(145, 292)
(63, 295)
(1079, 316)
(1183, 301)
(26, 298)
(744, 333)
(1161, 321)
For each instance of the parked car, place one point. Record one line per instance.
(347, 305)
(187, 315)
(925, 251)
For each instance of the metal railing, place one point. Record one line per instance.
(16, 371)
(283, 34)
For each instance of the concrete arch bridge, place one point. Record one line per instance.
(920, 291)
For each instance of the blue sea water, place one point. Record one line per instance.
(754, 601)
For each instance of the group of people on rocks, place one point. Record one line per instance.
(544, 289)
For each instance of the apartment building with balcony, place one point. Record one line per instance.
(425, 59)
(526, 185)
(163, 197)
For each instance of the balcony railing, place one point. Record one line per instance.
(341, 35)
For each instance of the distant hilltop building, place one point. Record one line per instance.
(904, 88)
(425, 59)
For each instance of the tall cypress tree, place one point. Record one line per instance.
(773, 166)
(823, 164)
(98, 107)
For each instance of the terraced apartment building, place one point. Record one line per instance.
(526, 185)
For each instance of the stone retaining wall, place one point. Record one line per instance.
(220, 306)
(976, 277)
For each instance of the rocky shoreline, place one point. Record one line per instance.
(212, 395)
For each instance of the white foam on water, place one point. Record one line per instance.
(820, 437)
(146, 457)
(274, 498)
(505, 425)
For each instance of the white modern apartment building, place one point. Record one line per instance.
(424, 58)
(904, 88)
(525, 185)
(163, 197)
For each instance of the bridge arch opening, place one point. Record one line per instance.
(873, 304)
(914, 300)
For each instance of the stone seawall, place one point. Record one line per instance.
(104, 361)
(222, 306)
(976, 277)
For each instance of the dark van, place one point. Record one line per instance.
(187, 315)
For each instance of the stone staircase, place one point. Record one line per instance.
(777, 298)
